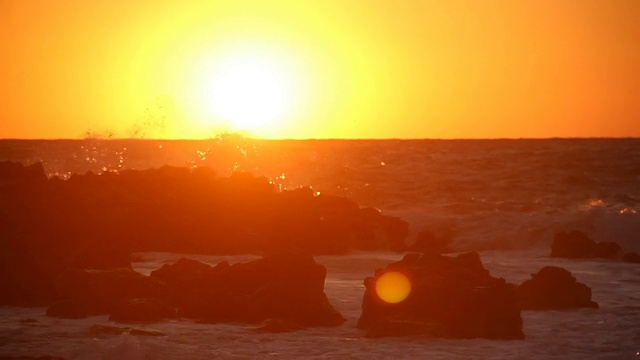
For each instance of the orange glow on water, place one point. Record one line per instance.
(393, 287)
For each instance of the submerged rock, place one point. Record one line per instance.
(450, 297)
(554, 288)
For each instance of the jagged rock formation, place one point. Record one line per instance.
(280, 289)
(576, 244)
(554, 288)
(287, 286)
(450, 297)
(96, 221)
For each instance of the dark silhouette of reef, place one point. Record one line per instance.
(427, 242)
(451, 297)
(631, 257)
(288, 287)
(284, 292)
(95, 292)
(576, 244)
(96, 221)
(554, 288)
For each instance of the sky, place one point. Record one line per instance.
(320, 69)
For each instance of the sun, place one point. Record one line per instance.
(249, 94)
(246, 91)
(259, 88)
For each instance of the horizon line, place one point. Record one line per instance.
(240, 136)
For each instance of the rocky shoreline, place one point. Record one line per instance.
(66, 244)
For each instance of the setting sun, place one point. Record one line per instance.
(250, 95)
(251, 89)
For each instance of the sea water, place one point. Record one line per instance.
(505, 198)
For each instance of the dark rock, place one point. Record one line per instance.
(607, 250)
(631, 257)
(576, 244)
(98, 291)
(96, 221)
(67, 309)
(288, 287)
(185, 273)
(186, 280)
(16, 173)
(28, 269)
(572, 244)
(23, 283)
(328, 224)
(396, 230)
(554, 288)
(427, 242)
(450, 297)
(142, 310)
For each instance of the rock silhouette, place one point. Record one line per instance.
(284, 292)
(576, 244)
(427, 242)
(631, 257)
(96, 221)
(100, 291)
(288, 287)
(451, 297)
(554, 288)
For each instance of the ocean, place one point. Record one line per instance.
(503, 198)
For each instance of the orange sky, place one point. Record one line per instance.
(354, 69)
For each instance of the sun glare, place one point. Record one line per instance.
(249, 94)
(245, 91)
(393, 287)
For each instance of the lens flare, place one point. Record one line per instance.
(393, 287)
